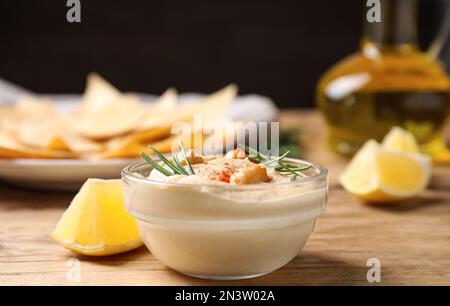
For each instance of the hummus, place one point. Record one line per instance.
(200, 227)
(233, 169)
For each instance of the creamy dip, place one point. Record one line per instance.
(234, 169)
(205, 229)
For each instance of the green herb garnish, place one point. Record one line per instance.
(176, 165)
(277, 163)
(166, 161)
(254, 156)
(186, 159)
(179, 164)
(155, 165)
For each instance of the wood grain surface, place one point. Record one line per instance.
(411, 240)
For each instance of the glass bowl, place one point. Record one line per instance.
(217, 231)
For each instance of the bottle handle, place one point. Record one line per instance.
(441, 38)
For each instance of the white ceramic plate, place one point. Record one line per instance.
(56, 174)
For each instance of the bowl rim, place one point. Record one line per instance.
(128, 173)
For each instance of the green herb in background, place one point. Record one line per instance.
(290, 142)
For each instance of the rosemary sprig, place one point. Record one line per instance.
(155, 165)
(275, 161)
(176, 165)
(179, 165)
(257, 157)
(291, 167)
(166, 161)
(186, 159)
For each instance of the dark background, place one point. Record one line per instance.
(278, 48)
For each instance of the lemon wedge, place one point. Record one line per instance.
(443, 157)
(96, 222)
(377, 174)
(401, 140)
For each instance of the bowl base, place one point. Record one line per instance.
(226, 277)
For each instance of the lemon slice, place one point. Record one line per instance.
(377, 174)
(401, 140)
(96, 222)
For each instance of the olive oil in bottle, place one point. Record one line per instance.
(389, 82)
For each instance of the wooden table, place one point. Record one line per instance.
(411, 240)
